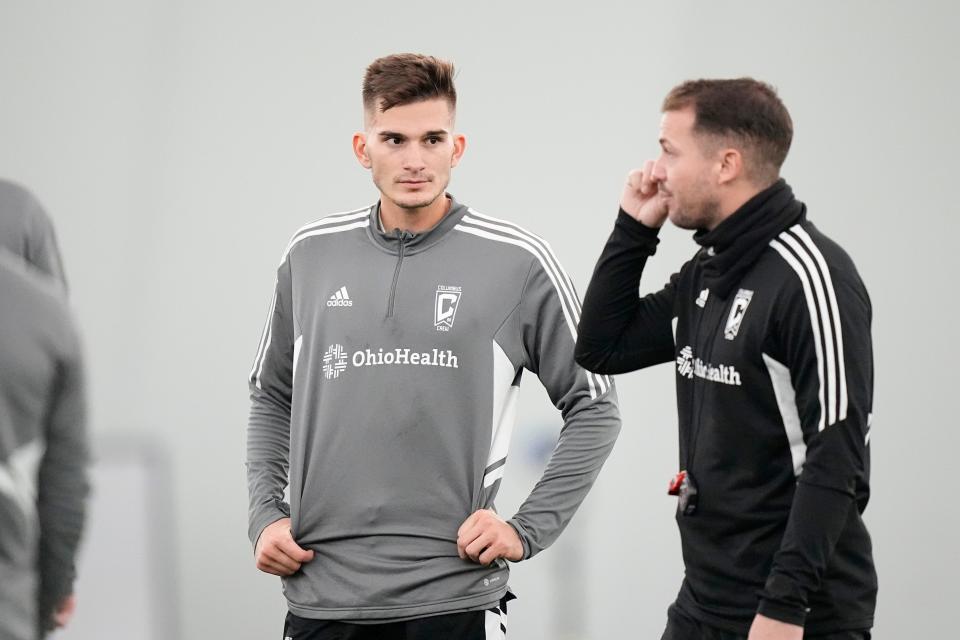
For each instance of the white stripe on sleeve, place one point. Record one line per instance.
(814, 322)
(835, 314)
(787, 403)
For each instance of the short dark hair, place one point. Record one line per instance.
(404, 78)
(744, 109)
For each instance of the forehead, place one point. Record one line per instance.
(677, 125)
(413, 118)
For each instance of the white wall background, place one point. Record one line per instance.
(178, 144)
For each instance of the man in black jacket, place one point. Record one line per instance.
(769, 327)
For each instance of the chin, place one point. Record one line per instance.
(680, 220)
(415, 204)
(417, 201)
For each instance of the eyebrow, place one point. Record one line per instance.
(394, 134)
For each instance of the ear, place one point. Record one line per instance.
(459, 146)
(731, 166)
(360, 149)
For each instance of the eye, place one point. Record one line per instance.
(395, 141)
(434, 140)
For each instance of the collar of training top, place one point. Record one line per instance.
(414, 242)
(735, 244)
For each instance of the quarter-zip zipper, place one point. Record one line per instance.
(402, 237)
(696, 397)
(711, 341)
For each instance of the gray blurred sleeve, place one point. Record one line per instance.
(268, 430)
(63, 483)
(587, 402)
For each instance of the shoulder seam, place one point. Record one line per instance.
(333, 223)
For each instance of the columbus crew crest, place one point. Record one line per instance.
(445, 309)
(737, 311)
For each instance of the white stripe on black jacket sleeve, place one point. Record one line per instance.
(823, 337)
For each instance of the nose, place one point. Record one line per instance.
(659, 173)
(413, 159)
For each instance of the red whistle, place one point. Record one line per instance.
(673, 489)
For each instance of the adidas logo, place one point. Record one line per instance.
(340, 299)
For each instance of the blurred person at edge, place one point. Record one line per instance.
(384, 387)
(43, 439)
(768, 326)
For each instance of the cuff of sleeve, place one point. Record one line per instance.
(521, 532)
(266, 516)
(636, 229)
(790, 614)
(50, 599)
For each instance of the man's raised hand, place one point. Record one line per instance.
(641, 197)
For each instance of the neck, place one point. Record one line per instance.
(416, 220)
(736, 197)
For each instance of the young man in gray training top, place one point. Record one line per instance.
(384, 390)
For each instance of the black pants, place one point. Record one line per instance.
(682, 627)
(471, 625)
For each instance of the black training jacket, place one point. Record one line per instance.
(768, 327)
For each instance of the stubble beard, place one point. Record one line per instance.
(699, 214)
(411, 206)
(418, 204)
